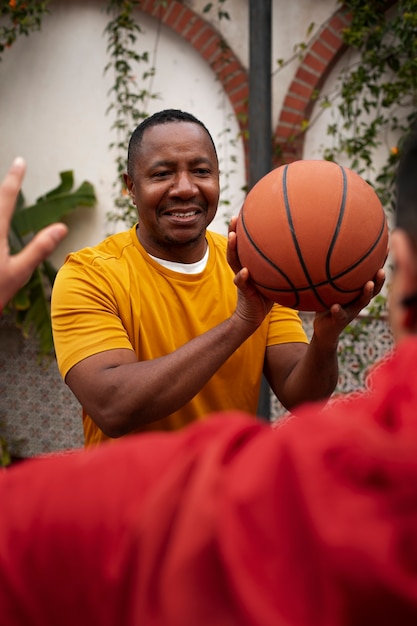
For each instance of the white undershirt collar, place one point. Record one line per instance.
(184, 268)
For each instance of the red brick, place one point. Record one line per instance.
(295, 104)
(291, 118)
(184, 21)
(333, 40)
(339, 21)
(196, 25)
(301, 90)
(236, 80)
(171, 16)
(238, 95)
(230, 68)
(211, 49)
(322, 51)
(307, 76)
(211, 45)
(314, 64)
(201, 40)
(222, 61)
(284, 131)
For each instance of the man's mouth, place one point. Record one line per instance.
(182, 214)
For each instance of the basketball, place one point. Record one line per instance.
(311, 234)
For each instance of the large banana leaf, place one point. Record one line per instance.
(31, 305)
(53, 206)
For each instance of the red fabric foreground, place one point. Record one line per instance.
(225, 523)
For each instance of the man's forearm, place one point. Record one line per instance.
(122, 397)
(315, 376)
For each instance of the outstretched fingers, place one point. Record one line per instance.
(38, 249)
(9, 190)
(16, 269)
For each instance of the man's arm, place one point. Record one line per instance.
(121, 393)
(299, 373)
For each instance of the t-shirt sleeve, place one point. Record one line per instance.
(85, 317)
(285, 326)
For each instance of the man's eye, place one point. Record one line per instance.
(202, 171)
(161, 174)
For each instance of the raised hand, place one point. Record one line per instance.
(16, 269)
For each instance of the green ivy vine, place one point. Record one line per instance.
(227, 142)
(377, 94)
(19, 18)
(375, 106)
(128, 96)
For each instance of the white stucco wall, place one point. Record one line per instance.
(53, 111)
(290, 23)
(55, 96)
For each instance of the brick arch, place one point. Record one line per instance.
(206, 40)
(324, 51)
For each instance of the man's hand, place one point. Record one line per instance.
(328, 325)
(252, 306)
(15, 270)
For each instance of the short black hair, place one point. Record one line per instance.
(161, 117)
(406, 182)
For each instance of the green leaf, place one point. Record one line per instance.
(52, 207)
(66, 184)
(31, 304)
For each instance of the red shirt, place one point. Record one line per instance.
(225, 523)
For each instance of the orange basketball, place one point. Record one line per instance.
(311, 234)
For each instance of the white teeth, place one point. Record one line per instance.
(188, 214)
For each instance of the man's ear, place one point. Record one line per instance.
(130, 186)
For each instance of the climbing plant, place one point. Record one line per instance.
(220, 9)
(227, 141)
(377, 94)
(19, 18)
(373, 107)
(132, 90)
(128, 95)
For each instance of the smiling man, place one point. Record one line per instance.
(159, 326)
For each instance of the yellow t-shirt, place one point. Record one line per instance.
(116, 296)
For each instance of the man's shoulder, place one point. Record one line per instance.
(111, 248)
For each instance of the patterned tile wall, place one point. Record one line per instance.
(356, 357)
(39, 414)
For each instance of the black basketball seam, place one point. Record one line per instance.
(338, 225)
(294, 238)
(292, 289)
(330, 278)
(359, 261)
(337, 276)
(268, 260)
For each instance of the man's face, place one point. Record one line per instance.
(175, 187)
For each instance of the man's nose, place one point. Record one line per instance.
(183, 185)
